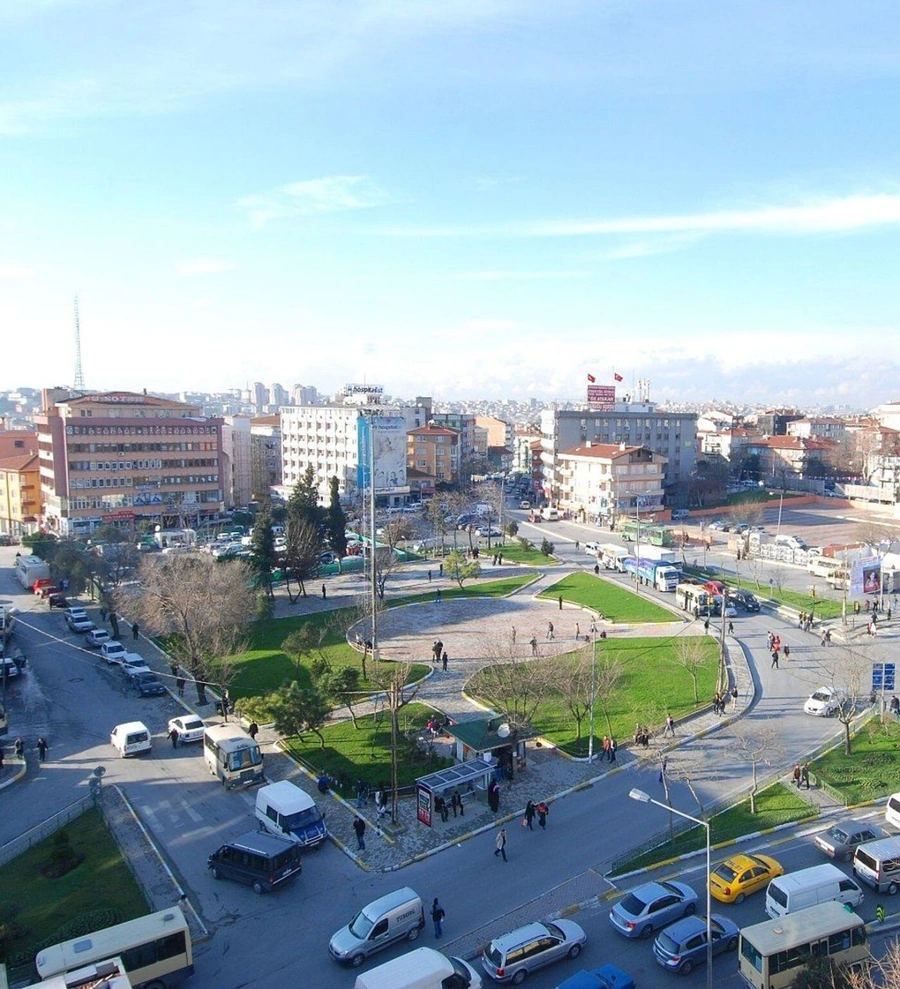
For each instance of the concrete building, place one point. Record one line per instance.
(433, 452)
(236, 472)
(120, 456)
(16, 442)
(265, 456)
(600, 481)
(333, 440)
(20, 494)
(672, 435)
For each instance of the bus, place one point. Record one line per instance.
(695, 599)
(645, 532)
(825, 566)
(771, 953)
(30, 569)
(155, 950)
(233, 756)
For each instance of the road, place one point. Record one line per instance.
(74, 700)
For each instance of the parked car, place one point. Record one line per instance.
(112, 651)
(739, 876)
(604, 977)
(682, 945)
(57, 600)
(43, 591)
(132, 664)
(718, 525)
(189, 727)
(489, 531)
(148, 683)
(8, 668)
(824, 702)
(840, 841)
(75, 614)
(96, 637)
(651, 907)
(511, 957)
(80, 625)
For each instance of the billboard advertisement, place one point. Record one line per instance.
(388, 436)
(601, 397)
(864, 577)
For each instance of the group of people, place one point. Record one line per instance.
(609, 746)
(532, 810)
(805, 621)
(800, 775)
(720, 699)
(774, 645)
(443, 806)
(439, 654)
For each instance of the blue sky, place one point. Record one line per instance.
(462, 199)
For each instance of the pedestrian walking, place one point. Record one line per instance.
(514, 635)
(324, 592)
(444, 660)
(734, 697)
(136, 631)
(253, 730)
(494, 796)
(787, 652)
(596, 569)
(795, 775)
(731, 628)
(804, 775)
(380, 806)
(894, 706)
(19, 746)
(437, 649)
(441, 570)
(173, 735)
(706, 627)
(613, 745)
(774, 659)
(605, 747)
(429, 576)
(457, 804)
(500, 844)
(770, 639)
(440, 807)
(577, 631)
(560, 602)
(179, 683)
(42, 747)
(542, 811)
(362, 793)
(533, 644)
(550, 629)
(359, 826)
(173, 669)
(670, 725)
(437, 916)
(529, 815)
(437, 596)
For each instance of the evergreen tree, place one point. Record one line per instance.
(336, 521)
(262, 552)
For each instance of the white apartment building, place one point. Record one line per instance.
(236, 454)
(599, 481)
(265, 456)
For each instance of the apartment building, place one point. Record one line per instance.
(433, 452)
(20, 494)
(672, 435)
(236, 474)
(265, 456)
(122, 456)
(600, 481)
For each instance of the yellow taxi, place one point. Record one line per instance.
(741, 875)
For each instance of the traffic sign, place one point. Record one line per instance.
(883, 676)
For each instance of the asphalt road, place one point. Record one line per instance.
(281, 940)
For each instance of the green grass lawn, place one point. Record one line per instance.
(45, 905)
(778, 804)
(514, 552)
(873, 768)
(614, 602)
(265, 666)
(365, 753)
(474, 589)
(652, 685)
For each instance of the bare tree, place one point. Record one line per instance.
(608, 673)
(690, 655)
(392, 679)
(777, 577)
(516, 687)
(849, 675)
(437, 514)
(397, 530)
(202, 605)
(387, 562)
(301, 554)
(757, 743)
(573, 684)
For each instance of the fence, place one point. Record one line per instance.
(24, 841)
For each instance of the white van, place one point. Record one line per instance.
(877, 864)
(592, 549)
(550, 514)
(131, 738)
(380, 923)
(423, 968)
(284, 809)
(809, 887)
(892, 811)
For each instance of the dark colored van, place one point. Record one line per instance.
(258, 859)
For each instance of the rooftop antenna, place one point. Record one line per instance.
(79, 374)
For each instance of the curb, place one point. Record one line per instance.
(23, 769)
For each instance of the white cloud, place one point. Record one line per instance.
(15, 272)
(204, 267)
(334, 193)
(845, 214)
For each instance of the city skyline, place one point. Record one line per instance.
(466, 200)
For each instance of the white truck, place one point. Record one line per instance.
(660, 554)
(613, 557)
(549, 514)
(423, 968)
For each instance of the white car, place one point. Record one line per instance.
(112, 651)
(80, 625)
(189, 728)
(74, 615)
(824, 702)
(96, 637)
(489, 531)
(132, 664)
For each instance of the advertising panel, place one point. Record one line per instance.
(423, 804)
(864, 576)
(601, 397)
(388, 435)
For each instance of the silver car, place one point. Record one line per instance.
(651, 907)
(511, 957)
(841, 840)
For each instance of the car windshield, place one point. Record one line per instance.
(667, 943)
(360, 926)
(725, 872)
(821, 695)
(303, 818)
(716, 927)
(555, 931)
(633, 905)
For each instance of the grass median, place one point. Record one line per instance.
(778, 804)
(616, 603)
(872, 770)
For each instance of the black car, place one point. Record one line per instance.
(744, 599)
(149, 685)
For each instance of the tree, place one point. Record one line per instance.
(262, 552)
(202, 606)
(391, 679)
(436, 514)
(297, 711)
(74, 562)
(849, 674)
(759, 744)
(511, 529)
(547, 547)
(336, 520)
(386, 562)
(397, 530)
(690, 655)
(301, 553)
(458, 568)
(516, 687)
(608, 673)
(342, 683)
(573, 684)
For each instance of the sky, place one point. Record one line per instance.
(455, 198)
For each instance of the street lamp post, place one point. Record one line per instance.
(645, 798)
(593, 688)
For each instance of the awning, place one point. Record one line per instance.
(460, 775)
